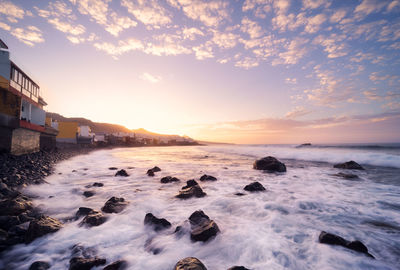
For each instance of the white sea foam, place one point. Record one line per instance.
(276, 229)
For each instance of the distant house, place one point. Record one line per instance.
(85, 135)
(67, 131)
(22, 118)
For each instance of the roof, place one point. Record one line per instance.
(3, 45)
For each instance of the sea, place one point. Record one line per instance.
(275, 229)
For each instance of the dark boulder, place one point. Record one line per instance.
(238, 268)
(346, 175)
(239, 194)
(202, 228)
(190, 263)
(190, 183)
(158, 224)
(42, 226)
(156, 169)
(114, 205)
(350, 165)
(192, 189)
(80, 263)
(93, 218)
(82, 211)
(113, 168)
(39, 265)
(206, 177)
(150, 173)
(88, 193)
(255, 186)
(270, 164)
(169, 179)
(14, 206)
(122, 173)
(118, 265)
(332, 239)
(6, 222)
(97, 184)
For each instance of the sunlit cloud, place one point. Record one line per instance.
(121, 48)
(291, 80)
(203, 51)
(30, 35)
(297, 112)
(12, 12)
(150, 78)
(191, 33)
(149, 12)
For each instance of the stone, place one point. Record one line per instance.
(238, 268)
(97, 184)
(190, 183)
(346, 175)
(202, 228)
(206, 177)
(156, 169)
(350, 165)
(113, 168)
(239, 194)
(6, 222)
(93, 218)
(88, 193)
(270, 164)
(80, 263)
(15, 206)
(150, 173)
(42, 226)
(190, 263)
(122, 173)
(190, 191)
(254, 187)
(39, 265)
(82, 211)
(158, 224)
(114, 205)
(117, 265)
(169, 179)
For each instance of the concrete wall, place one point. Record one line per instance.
(24, 141)
(67, 130)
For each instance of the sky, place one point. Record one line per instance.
(241, 71)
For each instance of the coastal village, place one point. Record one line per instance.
(25, 127)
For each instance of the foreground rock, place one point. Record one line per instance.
(122, 173)
(42, 226)
(158, 224)
(93, 218)
(254, 187)
(151, 171)
(88, 193)
(202, 228)
(192, 189)
(350, 165)
(14, 206)
(190, 263)
(332, 239)
(206, 177)
(118, 265)
(39, 265)
(169, 179)
(269, 164)
(82, 211)
(98, 184)
(80, 263)
(114, 205)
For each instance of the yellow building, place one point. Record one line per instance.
(67, 131)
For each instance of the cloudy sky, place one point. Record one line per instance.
(246, 71)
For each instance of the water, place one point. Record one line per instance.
(277, 229)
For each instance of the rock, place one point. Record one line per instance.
(150, 173)
(238, 268)
(346, 175)
(93, 218)
(239, 194)
(113, 168)
(97, 184)
(206, 177)
(118, 265)
(15, 206)
(39, 265)
(202, 228)
(304, 145)
(270, 164)
(6, 222)
(158, 224)
(88, 193)
(332, 239)
(42, 226)
(156, 169)
(122, 173)
(253, 187)
(190, 263)
(82, 211)
(350, 165)
(114, 205)
(80, 263)
(192, 189)
(169, 179)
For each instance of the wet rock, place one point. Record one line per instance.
(6, 222)
(240, 194)
(254, 187)
(113, 168)
(192, 189)
(332, 239)
(88, 193)
(270, 164)
(169, 179)
(350, 165)
(190, 263)
(156, 169)
(122, 173)
(82, 211)
(14, 206)
(158, 224)
(39, 265)
(19, 230)
(97, 184)
(118, 265)
(42, 226)
(346, 175)
(206, 177)
(304, 145)
(238, 268)
(150, 173)
(114, 205)
(80, 263)
(202, 228)
(93, 218)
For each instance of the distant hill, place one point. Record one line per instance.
(94, 126)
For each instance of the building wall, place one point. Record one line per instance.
(24, 141)
(67, 130)
(5, 67)
(10, 104)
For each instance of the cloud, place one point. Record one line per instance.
(149, 12)
(291, 80)
(12, 12)
(367, 7)
(247, 63)
(225, 40)
(295, 50)
(334, 45)
(313, 4)
(67, 27)
(313, 24)
(203, 51)
(97, 9)
(338, 16)
(5, 26)
(297, 112)
(374, 76)
(191, 33)
(122, 47)
(259, 7)
(252, 28)
(166, 44)
(150, 78)
(30, 36)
